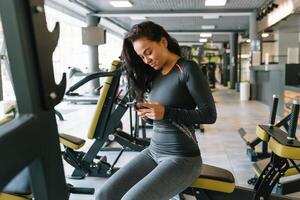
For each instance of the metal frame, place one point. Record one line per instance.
(30, 46)
(1, 84)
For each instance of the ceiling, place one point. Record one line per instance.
(290, 25)
(182, 18)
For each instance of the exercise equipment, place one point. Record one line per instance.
(211, 68)
(285, 186)
(105, 124)
(19, 187)
(23, 140)
(75, 97)
(9, 113)
(12, 108)
(218, 184)
(137, 134)
(254, 154)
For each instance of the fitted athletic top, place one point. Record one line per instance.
(181, 90)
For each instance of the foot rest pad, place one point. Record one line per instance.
(216, 179)
(71, 141)
(245, 136)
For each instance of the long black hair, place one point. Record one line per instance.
(141, 75)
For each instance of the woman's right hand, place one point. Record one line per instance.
(142, 111)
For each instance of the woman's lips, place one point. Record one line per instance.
(153, 65)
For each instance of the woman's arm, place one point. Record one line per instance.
(198, 87)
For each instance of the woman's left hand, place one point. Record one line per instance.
(155, 110)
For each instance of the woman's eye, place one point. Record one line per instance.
(148, 53)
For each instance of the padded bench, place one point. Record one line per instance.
(71, 141)
(215, 179)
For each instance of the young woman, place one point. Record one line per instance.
(175, 87)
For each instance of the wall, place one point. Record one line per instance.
(286, 40)
(269, 47)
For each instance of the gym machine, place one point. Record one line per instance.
(254, 154)
(218, 184)
(23, 140)
(105, 124)
(286, 185)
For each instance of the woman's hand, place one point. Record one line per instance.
(152, 110)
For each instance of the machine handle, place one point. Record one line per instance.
(91, 77)
(293, 121)
(274, 110)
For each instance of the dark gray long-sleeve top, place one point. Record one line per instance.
(181, 90)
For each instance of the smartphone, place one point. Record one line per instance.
(135, 105)
(130, 104)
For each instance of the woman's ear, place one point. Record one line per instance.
(164, 42)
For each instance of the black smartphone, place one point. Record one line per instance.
(135, 105)
(131, 104)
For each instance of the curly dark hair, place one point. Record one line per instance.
(140, 75)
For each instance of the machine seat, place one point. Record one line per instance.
(10, 109)
(216, 179)
(71, 141)
(262, 133)
(6, 119)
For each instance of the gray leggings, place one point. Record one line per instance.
(150, 176)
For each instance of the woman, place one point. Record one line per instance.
(175, 88)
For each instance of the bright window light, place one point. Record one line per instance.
(121, 4)
(211, 16)
(205, 35)
(203, 40)
(264, 35)
(248, 40)
(215, 2)
(137, 17)
(208, 26)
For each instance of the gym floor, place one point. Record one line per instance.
(220, 145)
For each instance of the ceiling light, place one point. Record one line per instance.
(264, 35)
(121, 4)
(215, 2)
(208, 26)
(138, 17)
(211, 16)
(203, 40)
(205, 35)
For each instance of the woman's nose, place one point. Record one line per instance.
(147, 60)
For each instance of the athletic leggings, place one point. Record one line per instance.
(151, 176)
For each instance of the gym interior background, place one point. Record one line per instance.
(249, 51)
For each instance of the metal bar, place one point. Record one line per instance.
(32, 138)
(1, 85)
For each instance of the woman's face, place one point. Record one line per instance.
(152, 53)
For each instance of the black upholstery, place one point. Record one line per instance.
(72, 139)
(216, 173)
